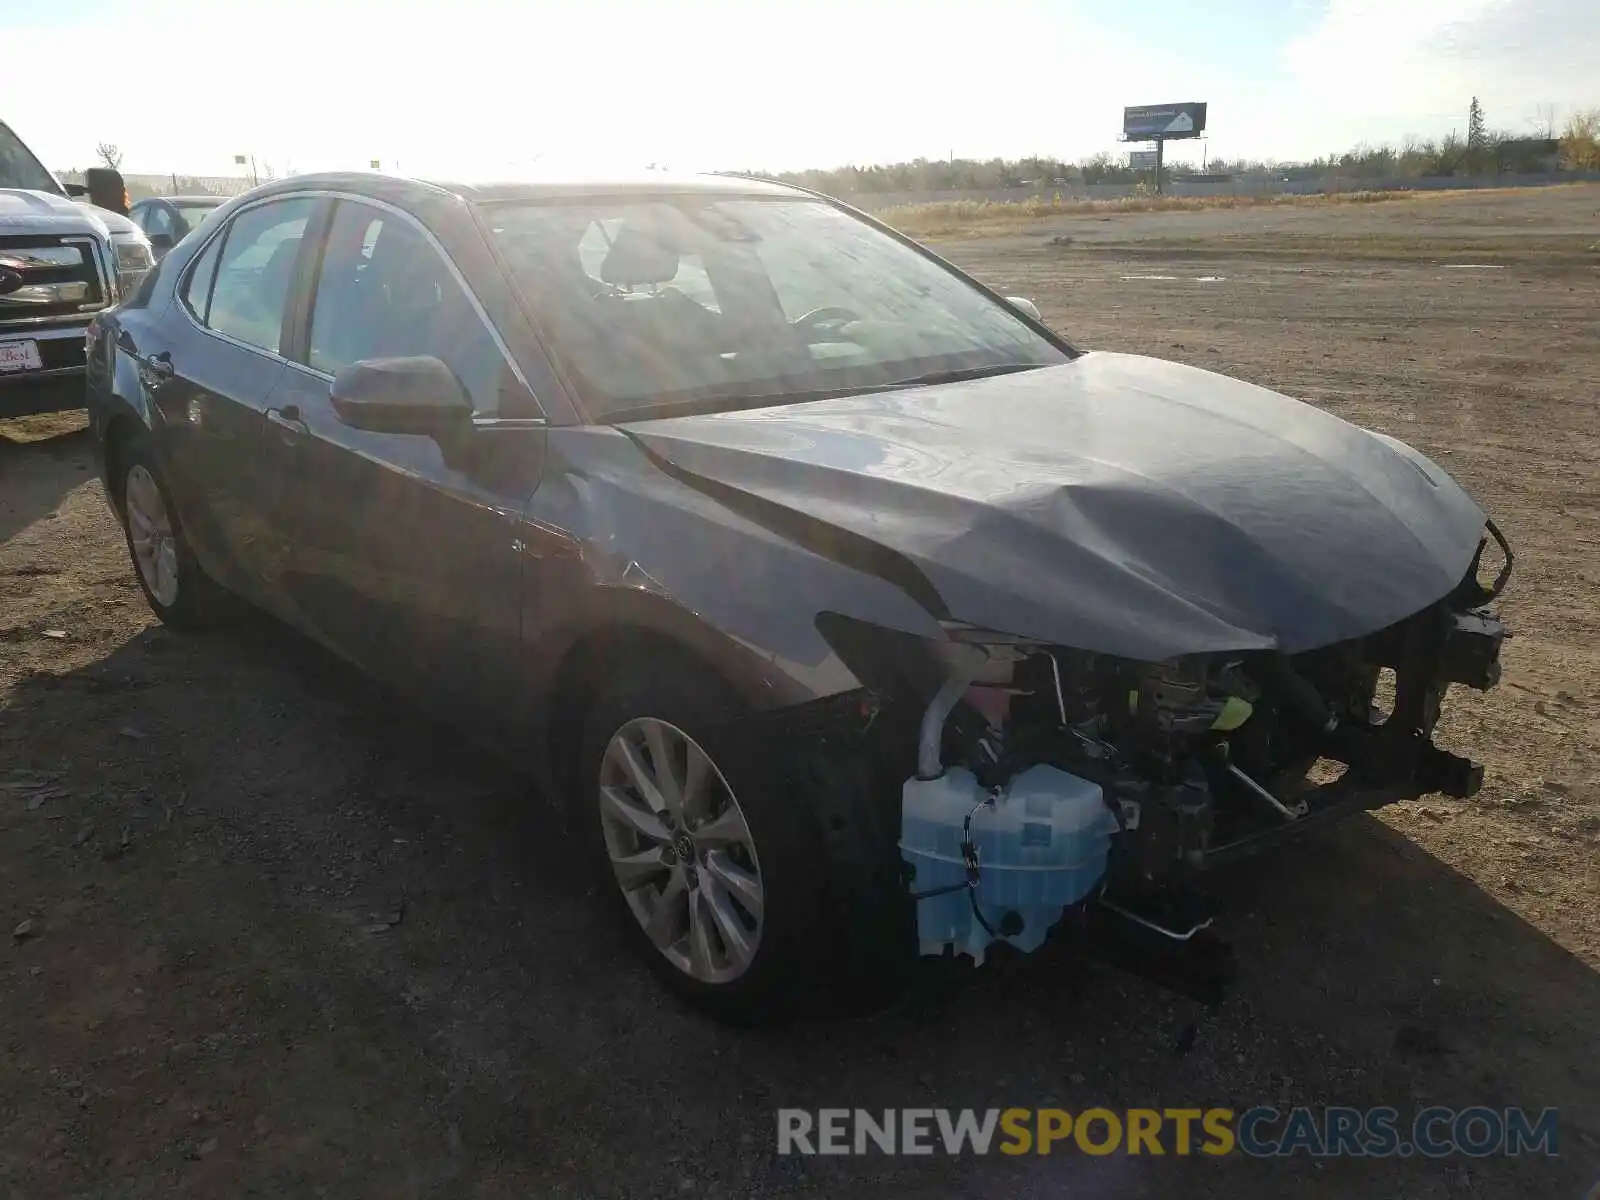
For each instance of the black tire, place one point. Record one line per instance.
(200, 602)
(788, 963)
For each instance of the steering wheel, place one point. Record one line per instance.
(829, 314)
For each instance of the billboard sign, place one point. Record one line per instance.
(1148, 122)
(1142, 160)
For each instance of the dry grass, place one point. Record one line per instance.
(1562, 251)
(973, 217)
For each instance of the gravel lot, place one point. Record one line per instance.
(285, 936)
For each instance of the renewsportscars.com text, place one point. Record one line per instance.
(1261, 1132)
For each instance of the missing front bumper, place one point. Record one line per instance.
(1330, 803)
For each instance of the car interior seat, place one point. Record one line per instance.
(642, 265)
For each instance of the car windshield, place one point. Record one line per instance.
(694, 303)
(19, 168)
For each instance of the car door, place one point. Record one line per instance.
(212, 373)
(404, 555)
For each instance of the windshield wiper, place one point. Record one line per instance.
(959, 376)
(697, 405)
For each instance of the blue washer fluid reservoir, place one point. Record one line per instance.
(1042, 845)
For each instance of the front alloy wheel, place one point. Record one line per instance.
(681, 850)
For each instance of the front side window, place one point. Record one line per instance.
(384, 291)
(704, 301)
(255, 271)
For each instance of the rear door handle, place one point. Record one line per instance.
(290, 427)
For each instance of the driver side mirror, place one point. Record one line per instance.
(75, 190)
(1025, 306)
(160, 243)
(416, 394)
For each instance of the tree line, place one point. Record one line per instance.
(1482, 151)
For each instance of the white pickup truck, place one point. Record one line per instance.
(62, 260)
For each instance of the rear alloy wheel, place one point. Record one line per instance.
(681, 850)
(150, 537)
(179, 592)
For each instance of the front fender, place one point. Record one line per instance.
(638, 550)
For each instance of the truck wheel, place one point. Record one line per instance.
(716, 879)
(178, 591)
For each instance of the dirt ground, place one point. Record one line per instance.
(284, 937)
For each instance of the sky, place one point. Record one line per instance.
(481, 88)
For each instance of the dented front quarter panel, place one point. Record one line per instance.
(611, 542)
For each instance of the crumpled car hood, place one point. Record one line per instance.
(1114, 503)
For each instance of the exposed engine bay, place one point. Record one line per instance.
(1048, 777)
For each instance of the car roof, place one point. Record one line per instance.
(643, 182)
(535, 188)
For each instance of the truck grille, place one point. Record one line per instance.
(44, 276)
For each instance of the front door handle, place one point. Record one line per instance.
(290, 427)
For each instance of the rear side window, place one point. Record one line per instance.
(197, 288)
(255, 270)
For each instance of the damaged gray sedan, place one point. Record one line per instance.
(854, 613)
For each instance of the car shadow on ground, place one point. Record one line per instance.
(41, 460)
(411, 947)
